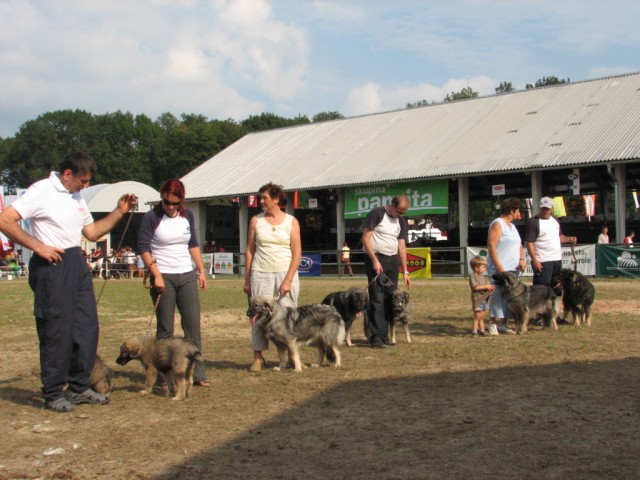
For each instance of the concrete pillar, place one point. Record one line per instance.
(620, 192)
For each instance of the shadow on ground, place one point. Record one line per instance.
(569, 421)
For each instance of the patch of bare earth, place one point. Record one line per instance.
(546, 405)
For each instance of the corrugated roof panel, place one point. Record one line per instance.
(587, 122)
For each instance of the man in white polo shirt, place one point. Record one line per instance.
(64, 301)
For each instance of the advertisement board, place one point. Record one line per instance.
(618, 261)
(223, 263)
(428, 198)
(310, 264)
(585, 259)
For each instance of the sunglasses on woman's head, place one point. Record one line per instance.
(171, 204)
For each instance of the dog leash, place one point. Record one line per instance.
(574, 259)
(124, 232)
(155, 308)
(382, 279)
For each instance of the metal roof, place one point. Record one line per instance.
(560, 126)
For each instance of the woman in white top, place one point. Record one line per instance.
(273, 254)
(169, 247)
(506, 254)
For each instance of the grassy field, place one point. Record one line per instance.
(547, 404)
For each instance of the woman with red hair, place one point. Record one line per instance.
(168, 245)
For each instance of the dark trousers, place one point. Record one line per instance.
(380, 308)
(66, 321)
(545, 277)
(181, 290)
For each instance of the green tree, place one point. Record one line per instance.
(270, 121)
(544, 81)
(41, 144)
(463, 94)
(421, 103)
(504, 87)
(326, 116)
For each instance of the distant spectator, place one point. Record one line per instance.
(628, 241)
(603, 238)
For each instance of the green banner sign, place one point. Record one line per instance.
(616, 261)
(426, 198)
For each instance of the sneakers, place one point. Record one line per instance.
(60, 405)
(89, 396)
(493, 329)
(377, 343)
(505, 329)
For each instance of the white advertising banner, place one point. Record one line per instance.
(223, 263)
(585, 258)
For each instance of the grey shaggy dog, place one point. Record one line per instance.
(399, 315)
(351, 304)
(316, 325)
(398, 309)
(527, 301)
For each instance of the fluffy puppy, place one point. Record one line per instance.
(101, 377)
(399, 315)
(350, 304)
(173, 357)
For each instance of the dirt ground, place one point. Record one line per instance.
(546, 405)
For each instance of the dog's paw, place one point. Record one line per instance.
(277, 369)
(144, 392)
(314, 365)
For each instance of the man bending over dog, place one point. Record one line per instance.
(64, 301)
(385, 242)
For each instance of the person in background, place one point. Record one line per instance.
(603, 238)
(345, 261)
(274, 250)
(140, 265)
(506, 254)
(628, 241)
(481, 290)
(385, 242)
(168, 245)
(64, 299)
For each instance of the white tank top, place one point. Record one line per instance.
(273, 245)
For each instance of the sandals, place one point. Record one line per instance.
(258, 364)
(60, 405)
(89, 396)
(202, 383)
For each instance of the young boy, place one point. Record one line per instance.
(481, 290)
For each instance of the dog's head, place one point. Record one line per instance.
(400, 300)
(565, 277)
(129, 350)
(358, 299)
(260, 309)
(506, 279)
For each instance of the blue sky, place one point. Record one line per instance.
(235, 58)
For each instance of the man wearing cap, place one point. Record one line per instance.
(544, 241)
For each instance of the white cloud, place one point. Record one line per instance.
(372, 97)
